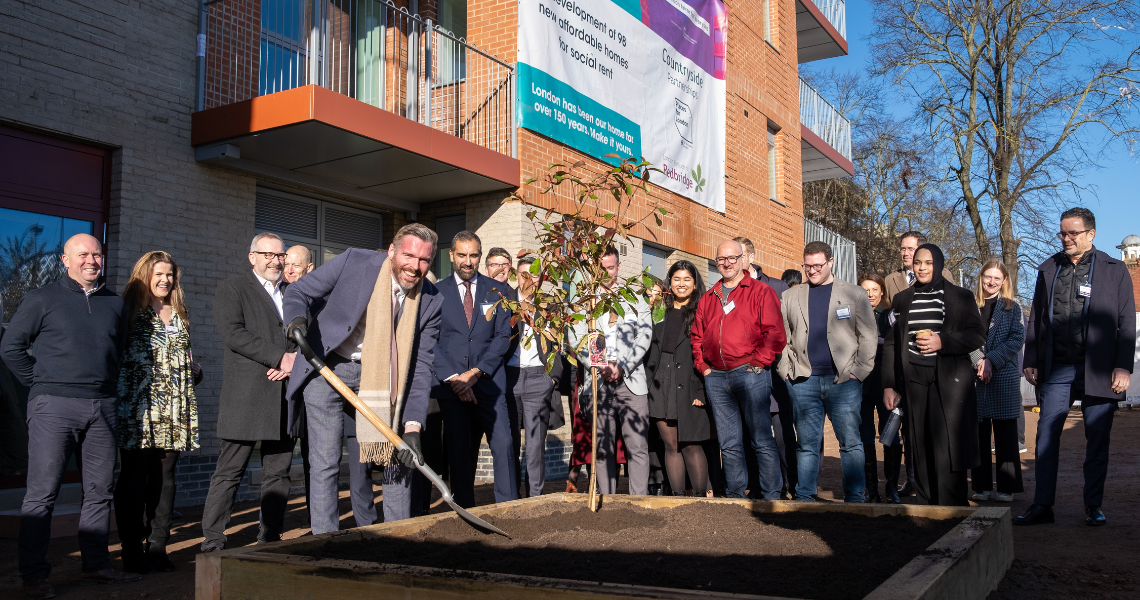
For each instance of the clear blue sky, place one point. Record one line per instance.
(1116, 185)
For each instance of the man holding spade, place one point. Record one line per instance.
(377, 332)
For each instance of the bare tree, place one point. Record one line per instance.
(1022, 93)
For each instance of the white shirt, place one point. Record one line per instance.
(273, 288)
(352, 346)
(462, 289)
(526, 357)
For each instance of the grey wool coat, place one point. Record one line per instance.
(1001, 397)
(251, 407)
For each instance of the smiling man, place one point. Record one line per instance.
(63, 343)
(377, 331)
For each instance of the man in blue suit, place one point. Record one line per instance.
(471, 381)
(339, 295)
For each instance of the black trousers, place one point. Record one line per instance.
(144, 496)
(1008, 457)
(935, 480)
(783, 425)
(892, 455)
(233, 459)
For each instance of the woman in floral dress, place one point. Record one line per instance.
(158, 413)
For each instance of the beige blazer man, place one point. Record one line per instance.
(896, 282)
(852, 338)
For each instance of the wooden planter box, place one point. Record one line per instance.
(966, 563)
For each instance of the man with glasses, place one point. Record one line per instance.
(904, 277)
(832, 338)
(736, 335)
(498, 266)
(1080, 343)
(252, 408)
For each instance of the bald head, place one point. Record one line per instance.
(83, 258)
(729, 261)
(298, 263)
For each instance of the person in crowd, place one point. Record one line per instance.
(298, 263)
(622, 387)
(736, 336)
(792, 278)
(498, 266)
(64, 343)
(677, 402)
(872, 405)
(897, 282)
(158, 411)
(1080, 342)
(928, 353)
(529, 385)
(252, 407)
(657, 476)
(782, 419)
(998, 385)
(377, 332)
(831, 349)
(471, 383)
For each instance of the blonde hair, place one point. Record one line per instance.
(1006, 291)
(136, 295)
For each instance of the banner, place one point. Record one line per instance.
(636, 78)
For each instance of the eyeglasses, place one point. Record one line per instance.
(1071, 234)
(271, 255)
(498, 264)
(728, 260)
(814, 268)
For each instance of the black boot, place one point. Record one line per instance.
(159, 562)
(893, 497)
(134, 560)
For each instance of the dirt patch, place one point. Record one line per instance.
(699, 546)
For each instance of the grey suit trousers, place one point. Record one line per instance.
(530, 389)
(616, 403)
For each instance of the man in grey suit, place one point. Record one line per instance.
(343, 289)
(622, 390)
(257, 360)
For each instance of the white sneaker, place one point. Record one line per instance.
(1000, 497)
(1021, 449)
(980, 496)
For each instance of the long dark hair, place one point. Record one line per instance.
(689, 310)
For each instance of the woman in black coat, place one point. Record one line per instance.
(928, 351)
(677, 401)
(873, 402)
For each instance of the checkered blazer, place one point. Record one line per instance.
(1001, 397)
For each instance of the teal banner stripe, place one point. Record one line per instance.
(556, 110)
(632, 7)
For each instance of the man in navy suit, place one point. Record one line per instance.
(471, 381)
(339, 292)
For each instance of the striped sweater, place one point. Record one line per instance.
(927, 311)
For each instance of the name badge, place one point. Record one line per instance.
(728, 307)
(487, 307)
(843, 312)
(1085, 290)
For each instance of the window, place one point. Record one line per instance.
(714, 275)
(324, 227)
(771, 163)
(654, 259)
(451, 57)
(446, 228)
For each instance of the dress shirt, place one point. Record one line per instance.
(462, 289)
(353, 345)
(526, 357)
(273, 288)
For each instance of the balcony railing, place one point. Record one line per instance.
(369, 50)
(822, 119)
(836, 13)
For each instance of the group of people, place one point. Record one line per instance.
(727, 389)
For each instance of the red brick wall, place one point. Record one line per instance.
(1134, 271)
(233, 52)
(762, 78)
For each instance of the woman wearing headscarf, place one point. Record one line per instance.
(998, 384)
(928, 352)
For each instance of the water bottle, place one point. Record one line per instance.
(890, 434)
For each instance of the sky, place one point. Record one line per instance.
(1116, 184)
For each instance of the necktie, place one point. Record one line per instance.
(909, 278)
(468, 302)
(393, 368)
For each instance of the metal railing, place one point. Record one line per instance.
(823, 120)
(842, 249)
(369, 50)
(836, 13)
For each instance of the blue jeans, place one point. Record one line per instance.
(1056, 398)
(812, 399)
(736, 394)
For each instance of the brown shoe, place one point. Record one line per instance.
(110, 575)
(571, 488)
(38, 589)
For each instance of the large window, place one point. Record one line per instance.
(654, 259)
(324, 227)
(451, 57)
(446, 228)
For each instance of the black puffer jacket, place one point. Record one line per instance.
(1068, 312)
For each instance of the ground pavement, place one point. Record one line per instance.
(1066, 560)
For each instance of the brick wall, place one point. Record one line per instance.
(1134, 271)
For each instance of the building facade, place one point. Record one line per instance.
(190, 126)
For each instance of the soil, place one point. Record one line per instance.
(699, 546)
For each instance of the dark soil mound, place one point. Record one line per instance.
(698, 546)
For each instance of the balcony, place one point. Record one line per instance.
(825, 138)
(352, 97)
(821, 29)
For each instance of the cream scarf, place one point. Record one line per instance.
(377, 389)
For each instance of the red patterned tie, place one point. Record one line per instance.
(468, 302)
